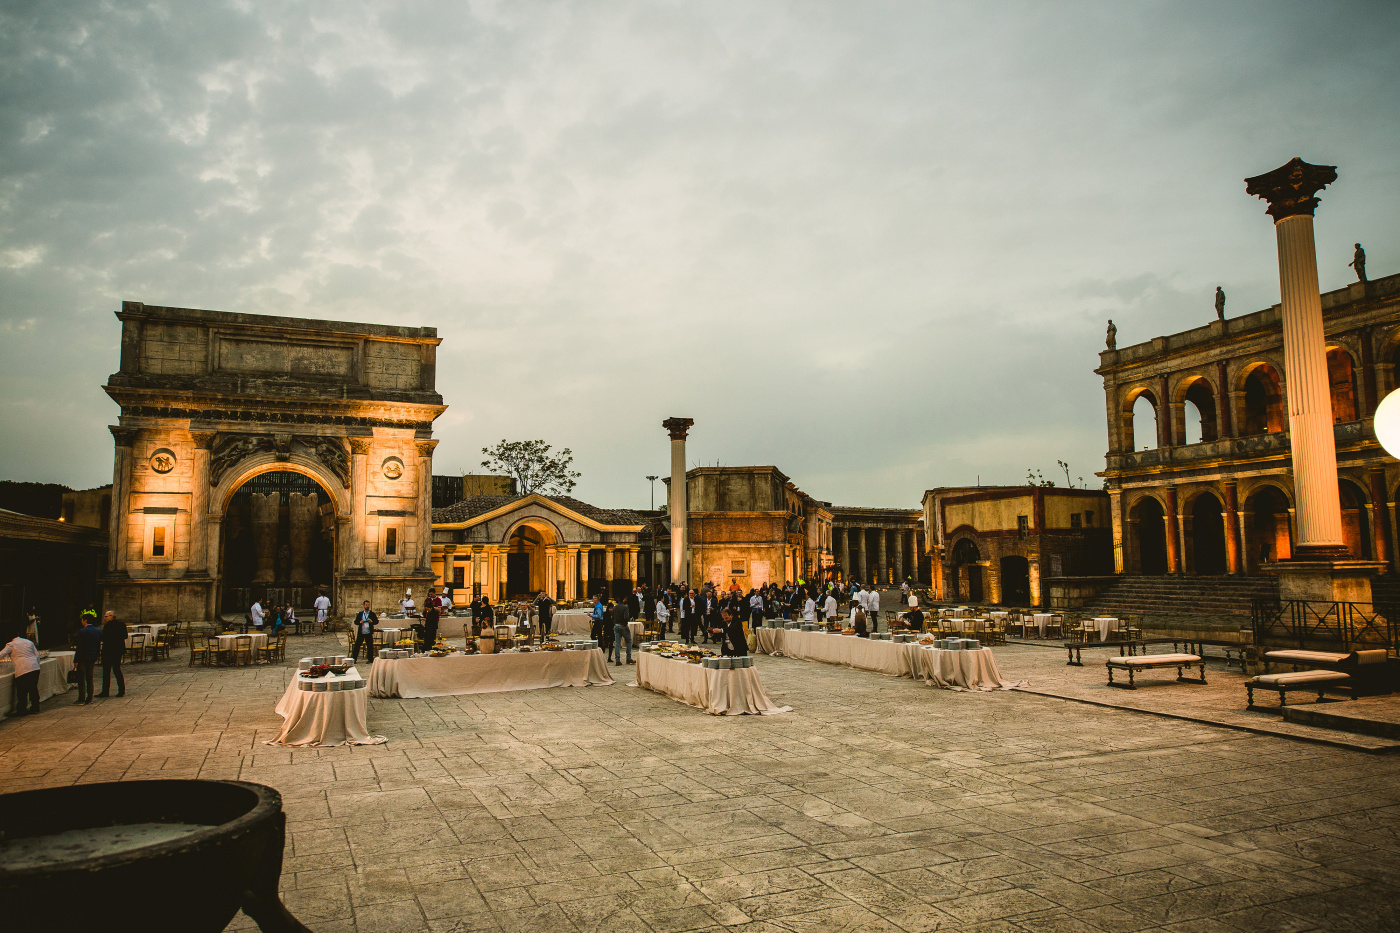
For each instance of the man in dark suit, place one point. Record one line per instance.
(113, 648)
(690, 617)
(365, 622)
(634, 604)
(709, 613)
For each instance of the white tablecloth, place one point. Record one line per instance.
(635, 629)
(882, 657)
(720, 693)
(53, 679)
(324, 717)
(1041, 618)
(226, 642)
(150, 630)
(459, 674)
(571, 622)
(1105, 624)
(970, 670)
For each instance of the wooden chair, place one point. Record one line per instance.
(161, 647)
(243, 649)
(136, 645)
(199, 648)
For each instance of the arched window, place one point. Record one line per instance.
(1341, 380)
(1263, 401)
(1199, 413)
(1144, 424)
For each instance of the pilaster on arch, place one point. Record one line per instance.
(268, 463)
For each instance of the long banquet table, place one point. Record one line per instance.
(970, 670)
(459, 674)
(324, 717)
(53, 679)
(717, 692)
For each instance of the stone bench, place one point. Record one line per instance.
(1321, 681)
(1149, 662)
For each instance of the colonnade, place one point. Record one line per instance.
(485, 568)
(878, 555)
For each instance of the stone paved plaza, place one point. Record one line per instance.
(878, 804)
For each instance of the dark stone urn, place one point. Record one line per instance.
(194, 882)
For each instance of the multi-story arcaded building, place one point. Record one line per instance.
(1210, 491)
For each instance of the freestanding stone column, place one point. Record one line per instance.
(1290, 191)
(266, 509)
(677, 505)
(303, 513)
(882, 567)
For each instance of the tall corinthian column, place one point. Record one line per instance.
(676, 505)
(1289, 190)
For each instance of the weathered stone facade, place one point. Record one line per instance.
(211, 400)
(1003, 544)
(1224, 503)
(882, 546)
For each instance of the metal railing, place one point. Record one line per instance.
(1321, 625)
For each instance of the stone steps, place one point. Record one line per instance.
(1207, 596)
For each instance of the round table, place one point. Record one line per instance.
(227, 642)
(1041, 619)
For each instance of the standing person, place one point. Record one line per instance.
(113, 649)
(89, 650)
(634, 603)
(830, 607)
(256, 614)
(622, 635)
(904, 591)
(432, 613)
(872, 609)
(755, 611)
(661, 614)
(323, 611)
(809, 610)
(406, 605)
(709, 615)
(689, 609)
(598, 616)
(31, 627)
(732, 641)
(25, 655)
(545, 606)
(365, 621)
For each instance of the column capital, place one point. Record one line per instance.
(425, 448)
(203, 440)
(678, 427)
(360, 445)
(1290, 188)
(124, 437)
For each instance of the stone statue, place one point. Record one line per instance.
(1219, 303)
(1112, 338)
(1358, 262)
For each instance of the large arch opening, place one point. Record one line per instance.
(1199, 413)
(1206, 536)
(527, 565)
(1263, 401)
(1355, 524)
(1141, 423)
(1268, 529)
(1341, 382)
(967, 572)
(278, 543)
(1149, 537)
(1015, 581)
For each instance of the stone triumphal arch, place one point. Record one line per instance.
(270, 458)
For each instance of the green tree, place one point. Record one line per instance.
(532, 465)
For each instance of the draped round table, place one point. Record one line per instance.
(967, 670)
(324, 717)
(717, 692)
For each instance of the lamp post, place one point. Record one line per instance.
(653, 480)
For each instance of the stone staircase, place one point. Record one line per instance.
(1210, 597)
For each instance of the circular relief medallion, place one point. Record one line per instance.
(393, 468)
(163, 460)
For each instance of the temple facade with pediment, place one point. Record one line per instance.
(268, 458)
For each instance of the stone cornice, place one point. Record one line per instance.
(232, 410)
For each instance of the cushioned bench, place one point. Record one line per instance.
(1296, 657)
(1149, 662)
(1321, 681)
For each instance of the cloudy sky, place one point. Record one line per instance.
(872, 243)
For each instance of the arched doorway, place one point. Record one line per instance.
(1341, 383)
(1263, 401)
(1355, 526)
(527, 558)
(1207, 535)
(1148, 538)
(1141, 427)
(1198, 412)
(1015, 581)
(1269, 534)
(278, 543)
(966, 571)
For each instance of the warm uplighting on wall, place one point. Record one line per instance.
(1388, 423)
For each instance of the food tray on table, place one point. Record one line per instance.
(395, 654)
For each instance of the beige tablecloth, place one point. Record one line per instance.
(324, 717)
(149, 630)
(571, 622)
(226, 642)
(1105, 624)
(720, 693)
(882, 657)
(53, 679)
(1041, 619)
(460, 674)
(969, 670)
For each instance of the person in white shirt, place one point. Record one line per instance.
(406, 605)
(446, 602)
(872, 609)
(809, 610)
(255, 616)
(323, 611)
(663, 616)
(913, 600)
(830, 607)
(26, 657)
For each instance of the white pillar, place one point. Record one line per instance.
(677, 505)
(1289, 191)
